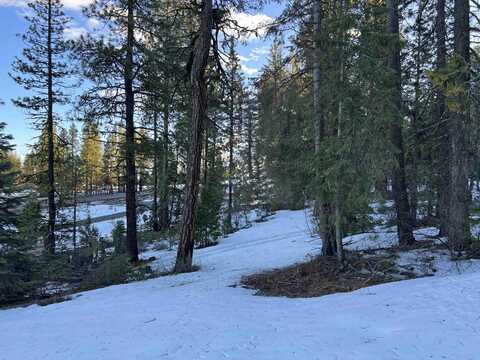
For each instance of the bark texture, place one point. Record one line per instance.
(164, 213)
(199, 114)
(130, 195)
(399, 186)
(442, 127)
(459, 227)
(323, 210)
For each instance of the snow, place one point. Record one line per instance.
(436, 262)
(383, 237)
(99, 209)
(94, 209)
(105, 227)
(202, 316)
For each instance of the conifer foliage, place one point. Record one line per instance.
(42, 71)
(15, 265)
(364, 105)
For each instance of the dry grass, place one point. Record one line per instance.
(323, 275)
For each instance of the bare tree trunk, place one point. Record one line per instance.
(199, 114)
(459, 226)
(399, 187)
(442, 117)
(131, 201)
(50, 241)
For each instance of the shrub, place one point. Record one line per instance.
(113, 270)
(118, 237)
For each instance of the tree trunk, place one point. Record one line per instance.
(323, 210)
(50, 241)
(130, 196)
(442, 128)
(229, 225)
(199, 114)
(205, 154)
(164, 213)
(415, 155)
(250, 146)
(399, 187)
(75, 180)
(459, 227)
(339, 189)
(155, 223)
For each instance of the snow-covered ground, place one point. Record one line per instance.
(202, 316)
(99, 209)
(105, 227)
(93, 210)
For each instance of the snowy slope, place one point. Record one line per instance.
(199, 316)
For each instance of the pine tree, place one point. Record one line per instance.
(91, 157)
(323, 209)
(108, 161)
(208, 221)
(402, 205)
(233, 107)
(112, 64)
(164, 69)
(198, 67)
(42, 70)
(15, 265)
(74, 174)
(459, 227)
(441, 119)
(416, 87)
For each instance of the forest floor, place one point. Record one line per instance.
(209, 315)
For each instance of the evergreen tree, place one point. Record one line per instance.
(165, 100)
(442, 134)
(234, 111)
(109, 160)
(42, 70)
(15, 263)
(91, 157)
(459, 226)
(399, 186)
(112, 64)
(283, 113)
(198, 67)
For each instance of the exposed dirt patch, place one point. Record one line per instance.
(323, 275)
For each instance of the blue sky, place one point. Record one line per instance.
(253, 55)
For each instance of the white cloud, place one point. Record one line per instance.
(76, 4)
(250, 63)
(248, 70)
(252, 25)
(244, 58)
(74, 33)
(261, 51)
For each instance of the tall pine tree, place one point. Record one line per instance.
(42, 70)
